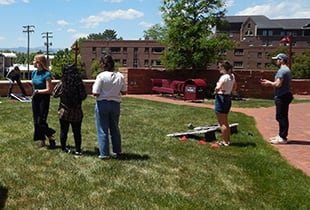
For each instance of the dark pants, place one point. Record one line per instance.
(76, 129)
(40, 108)
(282, 108)
(20, 85)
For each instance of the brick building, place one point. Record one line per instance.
(128, 53)
(256, 36)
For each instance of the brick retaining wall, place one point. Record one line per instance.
(139, 81)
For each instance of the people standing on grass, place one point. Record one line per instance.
(225, 86)
(71, 92)
(282, 97)
(14, 76)
(108, 88)
(42, 88)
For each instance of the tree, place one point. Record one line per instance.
(190, 39)
(65, 57)
(155, 32)
(301, 66)
(108, 34)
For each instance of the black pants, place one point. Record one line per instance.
(282, 108)
(40, 108)
(20, 85)
(76, 129)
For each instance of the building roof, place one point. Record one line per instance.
(262, 22)
(8, 55)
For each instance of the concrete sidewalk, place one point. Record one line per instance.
(297, 151)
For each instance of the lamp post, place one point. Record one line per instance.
(288, 39)
(75, 48)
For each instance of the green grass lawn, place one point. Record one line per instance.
(159, 172)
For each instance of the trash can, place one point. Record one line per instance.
(194, 89)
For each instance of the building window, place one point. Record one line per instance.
(249, 25)
(146, 50)
(94, 50)
(259, 54)
(251, 43)
(115, 50)
(103, 51)
(124, 50)
(248, 33)
(259, 65)
(156, 63)
(124, 62)
(238, 52)
(135, 52)
(135, 62)
(238, 64)
(157, 50)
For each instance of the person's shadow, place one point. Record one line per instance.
(3, 196)
(123, 156)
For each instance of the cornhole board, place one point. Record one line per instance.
(208, 131)
(21, 97)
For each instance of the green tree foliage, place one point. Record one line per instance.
(190, 39)
(156, 32)
(301, 66)
(67, 56)
(108, 34)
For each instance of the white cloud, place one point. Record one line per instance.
(26, 1)
(287, 9)
(106, 16)
(62, 23)
(71, 30)
(7, 2)
(79, 35)
(2, 38)
(145, 24)
(229, 3)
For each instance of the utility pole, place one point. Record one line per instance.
(28, 30)
(47, 35)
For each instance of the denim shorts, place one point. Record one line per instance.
(222, 103)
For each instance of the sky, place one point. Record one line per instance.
(67, 20)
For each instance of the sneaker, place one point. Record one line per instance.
(78, 154)
(103, 157)
(66, 150)
(273, 138)
(223, 143)
(52, 142)
(278, 140)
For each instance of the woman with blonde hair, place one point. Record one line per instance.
(42, 88)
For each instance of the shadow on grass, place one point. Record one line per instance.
(123, 156)
(3, 196)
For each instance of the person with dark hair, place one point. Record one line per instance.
(225, 86)
(42, 88)
(14, 76)
(282, 97)
(71, 91)
(108, 88)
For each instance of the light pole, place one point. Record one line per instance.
(47, 43)
(288, 39)
(28, 30)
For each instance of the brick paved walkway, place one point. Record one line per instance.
(297, 151)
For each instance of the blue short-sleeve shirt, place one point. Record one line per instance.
(39, 78)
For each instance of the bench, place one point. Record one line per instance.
(166, 86)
